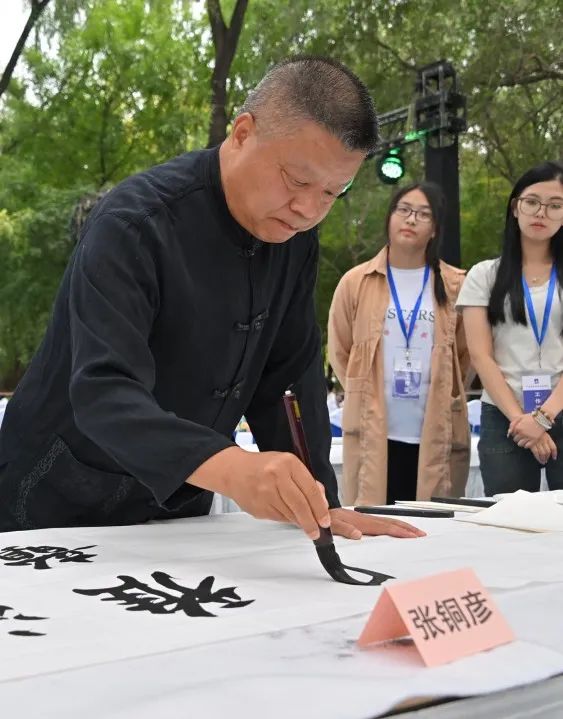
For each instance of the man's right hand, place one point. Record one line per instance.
(268, 485)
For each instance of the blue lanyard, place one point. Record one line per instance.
(407, 334)
(547, 311)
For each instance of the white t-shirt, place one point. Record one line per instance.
(405, 416)
(515, 348)
(331, 401)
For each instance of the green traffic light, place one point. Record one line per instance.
(391, 167)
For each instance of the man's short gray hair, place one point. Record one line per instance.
(320, 90)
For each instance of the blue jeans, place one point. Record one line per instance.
(506, 467)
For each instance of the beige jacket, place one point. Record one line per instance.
(355, 326)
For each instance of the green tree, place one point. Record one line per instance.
(109, 87)
(31, 240)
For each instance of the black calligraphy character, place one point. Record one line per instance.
(138, 597)
(476, 605)
(16, 556)
(452, 614)
(75, 555)
(141, 597)
(3, 610)
(22, 617)
(39, 556)
(423, 620)
(190, 603)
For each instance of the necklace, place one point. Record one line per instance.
(540, 278)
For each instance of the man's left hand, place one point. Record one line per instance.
(352, 525)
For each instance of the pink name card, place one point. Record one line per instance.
(448, 615)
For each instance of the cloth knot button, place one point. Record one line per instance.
(235, 391)
(259, 321)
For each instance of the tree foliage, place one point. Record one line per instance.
(106, 88)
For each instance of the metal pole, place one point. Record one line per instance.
(442, 167)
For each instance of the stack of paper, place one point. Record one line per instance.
(557, 495)
(531, 511)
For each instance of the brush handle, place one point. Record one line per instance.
(296, 428)
(302, 451)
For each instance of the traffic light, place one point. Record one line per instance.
(391, 166)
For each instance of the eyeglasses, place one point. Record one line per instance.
(345, 191)
(419, 215)
(531, 206)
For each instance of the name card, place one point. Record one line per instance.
(448, 615)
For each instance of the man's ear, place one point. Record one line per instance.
(243, 128)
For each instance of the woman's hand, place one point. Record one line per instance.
(544, 449)
(525, 431)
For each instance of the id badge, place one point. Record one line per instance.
(536, 388)
(407, 374)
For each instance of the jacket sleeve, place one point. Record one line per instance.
(114, 299)
(340, 337)
(295, 361)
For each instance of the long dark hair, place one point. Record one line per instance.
(509, 273)
(437, 203)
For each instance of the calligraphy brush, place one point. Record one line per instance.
(324, 544)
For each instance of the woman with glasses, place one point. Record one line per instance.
(514, 320)
(397, 346)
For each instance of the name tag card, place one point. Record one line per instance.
(536, 388)
(449, 616)
(407, 374)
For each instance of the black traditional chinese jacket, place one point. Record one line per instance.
(171, 322)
